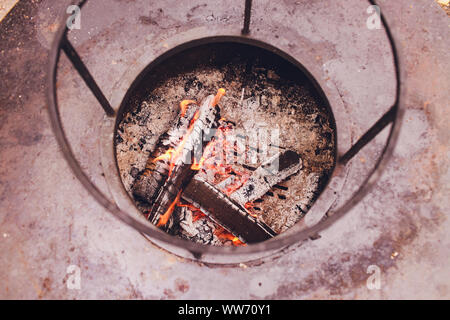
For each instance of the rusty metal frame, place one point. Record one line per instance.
(393, 116)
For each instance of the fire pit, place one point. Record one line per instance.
(225, 147)
(270, 110)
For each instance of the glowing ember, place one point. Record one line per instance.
(225, 235)
(249, 206)
(196, 212)
(215, 159)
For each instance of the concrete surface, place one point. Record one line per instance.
(49, 222)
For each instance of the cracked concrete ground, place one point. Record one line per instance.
(48, 221)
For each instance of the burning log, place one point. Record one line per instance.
(230, 212)
(170, 172)
(226, 212)
(152, 178)
(273, 171)
(184, 157)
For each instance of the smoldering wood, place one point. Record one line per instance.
(225, 183)
(276, 169)
(152, 178)
(273, 171)
(199, 230)
(203, 129)
(226, 212)
(186, 222)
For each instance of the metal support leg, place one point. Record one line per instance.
(73, 56)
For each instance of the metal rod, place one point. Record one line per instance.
(247, 15)
(73, 56)
(386, 119)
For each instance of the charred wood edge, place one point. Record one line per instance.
(169, 192)
(226, 212)
(268, 175)
(193, 150)
(250, 168)
(151, 179)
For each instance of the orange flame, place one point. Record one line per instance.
(173, 154)
(198, 164)
(221, 233)
(249, 206)
(166, 216)
(184, 105)
(165, 156)
(238, 242)
(220, 93)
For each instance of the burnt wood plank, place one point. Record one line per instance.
(273, 171)
(226, 212)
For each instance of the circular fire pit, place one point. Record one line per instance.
(270, 104)
(275, 88)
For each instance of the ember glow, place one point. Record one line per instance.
(249, 206)
(197, 214)
(216, 159)
(225, 235)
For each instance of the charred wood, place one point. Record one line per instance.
(152, 178)
(226, 212)
(276, 169)
(187, 153)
